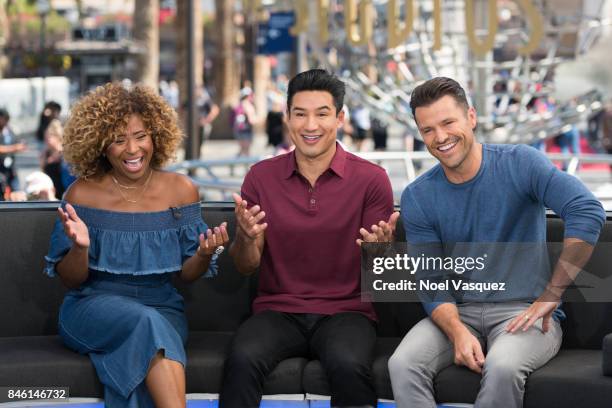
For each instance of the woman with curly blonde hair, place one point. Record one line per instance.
(52, 159)
(125, 226)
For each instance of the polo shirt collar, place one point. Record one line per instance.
(337, 164)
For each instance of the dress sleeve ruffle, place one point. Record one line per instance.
(132, 251)
(59, 246)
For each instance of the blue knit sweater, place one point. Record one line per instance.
(504, 202)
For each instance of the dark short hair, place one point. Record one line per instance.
(53, 106)
(317, 80)
(432, 90)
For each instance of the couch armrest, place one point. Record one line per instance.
(607, 355)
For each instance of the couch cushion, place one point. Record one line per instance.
(205, 359)
(606, 364)
(315, 380)
(44, 361)
(229, 291)
(453, 384)
(29, 301)
(286, 378)
(385, 346)
(586, 325)
(457, 384)
(27, 293)
(572, 379)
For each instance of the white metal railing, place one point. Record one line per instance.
(225, 175)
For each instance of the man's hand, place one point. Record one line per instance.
(383, 232)
(13, 148)
(538, 309)
(468, 351)
(249, 243)
(248, 219)
(574, 256)
(18, 196)
(20, 147)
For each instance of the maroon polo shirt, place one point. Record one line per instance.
(310, 262)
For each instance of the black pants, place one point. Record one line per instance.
(344, 343)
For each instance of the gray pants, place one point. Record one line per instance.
(509, 358)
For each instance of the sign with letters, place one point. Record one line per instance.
(359, 19)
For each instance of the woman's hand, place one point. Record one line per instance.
(214, 238)
(74, 227)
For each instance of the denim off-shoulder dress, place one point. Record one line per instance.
(128, 309)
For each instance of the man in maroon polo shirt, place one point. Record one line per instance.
(299, 217)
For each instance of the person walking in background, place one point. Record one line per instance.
(208, 111)
(606, 129)
(346, 130)
(170, 91)
(243, 119)
(39, 187)
(51, 111)
(125, 228)
(274, 124)
(541, 106)
(9, 146)
(51, 160)
(570, 139)
(361, 123)
(379, 134)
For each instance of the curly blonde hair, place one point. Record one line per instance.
(55, 129)
(101, 116)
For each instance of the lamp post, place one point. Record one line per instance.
(193, 140)
(43, 8)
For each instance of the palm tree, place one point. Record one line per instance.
(226, 78)
(79, 6)
(182, 14)
(146, 33)
(226, 69)
(4, 35)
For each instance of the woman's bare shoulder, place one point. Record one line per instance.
(181, 187)
(86, 192)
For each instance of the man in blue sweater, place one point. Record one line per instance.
(486, 193)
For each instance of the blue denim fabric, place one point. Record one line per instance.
(121, 322)
(568, 139)
(127, 310)
(141, 243)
